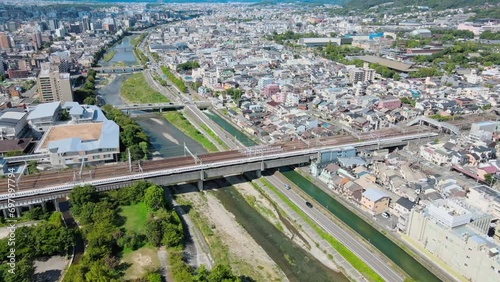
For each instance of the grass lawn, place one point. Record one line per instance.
(108, 56)
(140, 261)
(136, 90)
(135, 217)
(179, 121)
(119, 64)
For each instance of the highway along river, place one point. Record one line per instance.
(297, 264)
(406, 262)
(231, 129)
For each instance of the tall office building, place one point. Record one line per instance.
(53, 24)
(5, 41)
(53, 85)
(86, 23)
(37, 39)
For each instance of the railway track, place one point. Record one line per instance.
(44, 179)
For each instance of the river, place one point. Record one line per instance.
(412, 267)
(297, 264)
(123, 54)
(240, 136)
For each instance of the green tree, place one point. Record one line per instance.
(90, 101)
(24, 272)
(82, 194)
(221, 272)
(154, 232)
(154, 198)
(490, 179)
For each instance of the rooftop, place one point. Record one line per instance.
(399, 66)
(374, 195)
(44, 110)
(84, 131)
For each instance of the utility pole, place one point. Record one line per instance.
(129, 160)
(81, 168)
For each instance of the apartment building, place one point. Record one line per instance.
(456, 234)
(53, 85)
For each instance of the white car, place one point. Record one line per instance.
(386, 215)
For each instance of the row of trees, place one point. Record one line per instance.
(86, 94)
(280, 38)
(132, 136)
(339, 53)
(176, 81)
(489, 35)
(187, 66)
(47, 238)
(451, 34)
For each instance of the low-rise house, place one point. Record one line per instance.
(375, 201)
(403, 205)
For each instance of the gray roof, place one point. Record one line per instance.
(374, 194)
(44, 110)
(11, 117)
(109, 139)
(406, 203)
(76, 111)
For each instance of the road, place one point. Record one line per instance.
(191, 109)
(373, 259)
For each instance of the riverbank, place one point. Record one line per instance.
(256, 196)
(136, 90)
(178, 120)
(108, 56)
(227, 240)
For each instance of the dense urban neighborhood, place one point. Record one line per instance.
(258, 141)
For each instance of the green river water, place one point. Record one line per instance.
(400, 257)
(297, 264)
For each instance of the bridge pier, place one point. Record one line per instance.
(5, 214)
(56, 204)
(258, 173)
(18, 211)
(200, 185)
(44, 206)
(30, 206)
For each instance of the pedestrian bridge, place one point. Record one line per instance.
(439, 124)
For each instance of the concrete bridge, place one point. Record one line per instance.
(119, 69)
(198, 168)
(124, 49)
(440, 125)
(160, 106)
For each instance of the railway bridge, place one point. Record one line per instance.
(37, 189)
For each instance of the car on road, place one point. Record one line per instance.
(287, 187)
(309, 205)
(386, 215)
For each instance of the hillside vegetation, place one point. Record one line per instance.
(434, 4)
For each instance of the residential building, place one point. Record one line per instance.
(485, 199)
(374, 201)
(456, 235)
